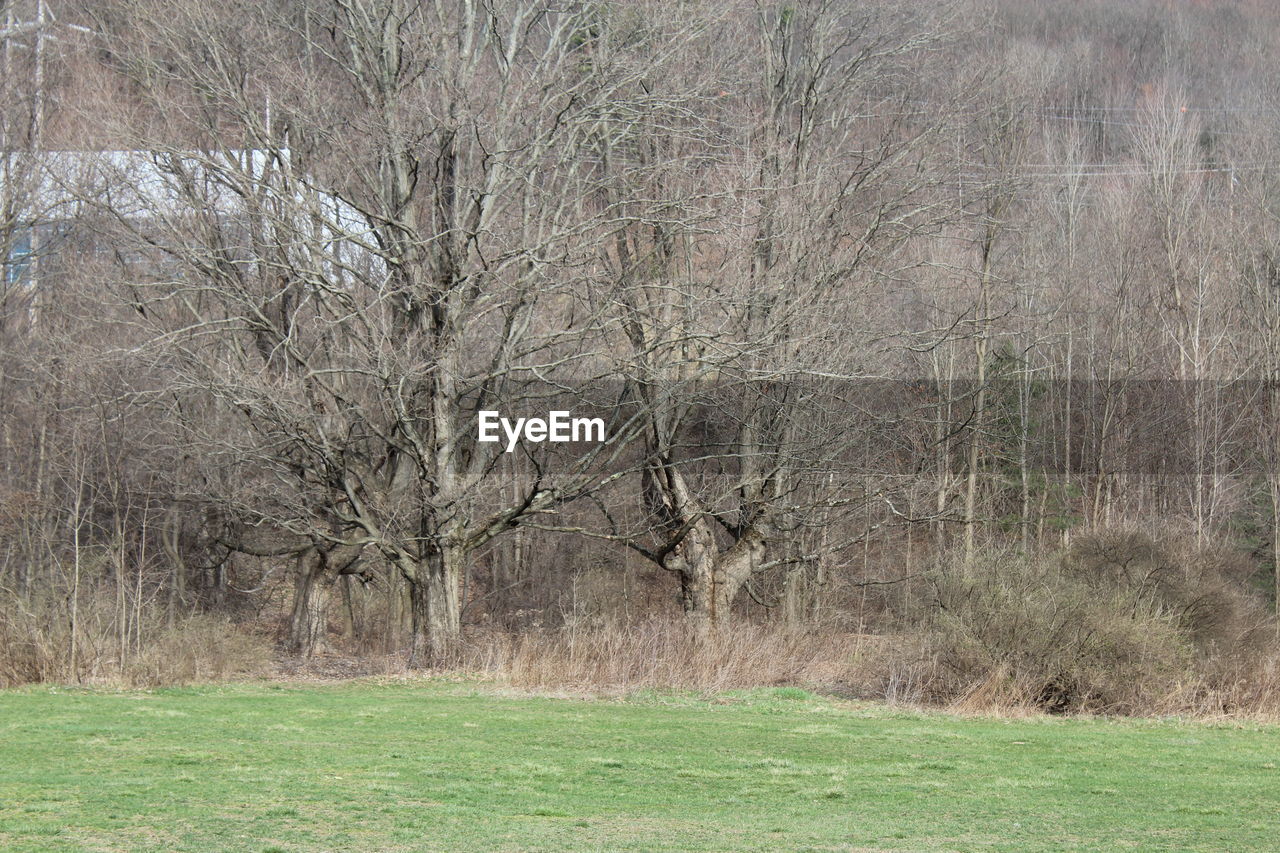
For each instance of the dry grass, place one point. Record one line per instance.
(1252, 696)
(610, 658)
(671, 654)
(903, 669)
(1119, 625)
(138, 648)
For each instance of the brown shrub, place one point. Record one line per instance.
(1012, 631)
(1204, 589)
(36, 644)
(1120, 623)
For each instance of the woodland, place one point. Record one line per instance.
(936, 343)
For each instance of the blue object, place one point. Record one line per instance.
(18, 264)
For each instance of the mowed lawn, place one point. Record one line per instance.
(369, 767)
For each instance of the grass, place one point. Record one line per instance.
(368, 767)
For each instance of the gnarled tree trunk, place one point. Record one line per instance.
(710, 582)
(311, 593)
(435, 592)
(711, 576)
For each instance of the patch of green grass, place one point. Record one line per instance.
(454, 767)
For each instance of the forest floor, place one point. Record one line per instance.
(387, 765)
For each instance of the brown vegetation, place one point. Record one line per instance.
(42, 640)
(938, 345)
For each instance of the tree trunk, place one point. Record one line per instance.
(710, 579)
(1275, 544)
(355, 621)
(308, 619)
(982, 312)
(437, 626)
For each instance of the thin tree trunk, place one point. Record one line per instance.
(1275, 543)
(982, 313)
(75, 584)
(170, 538)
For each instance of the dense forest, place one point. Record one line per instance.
(936, 344)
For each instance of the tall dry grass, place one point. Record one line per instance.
(45, 640)
(1122, 623)
(671, 653)
(915, 669)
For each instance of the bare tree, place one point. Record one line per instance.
(826, 168)
(393, 248)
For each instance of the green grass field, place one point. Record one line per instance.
(369, 767)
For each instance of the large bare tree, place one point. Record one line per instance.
(377, 216)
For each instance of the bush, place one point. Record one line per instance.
(1021, 632)
(1119, 623)
(1203, 589)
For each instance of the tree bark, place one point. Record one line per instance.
(711, 578)
(434, 592)
(308, 618)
